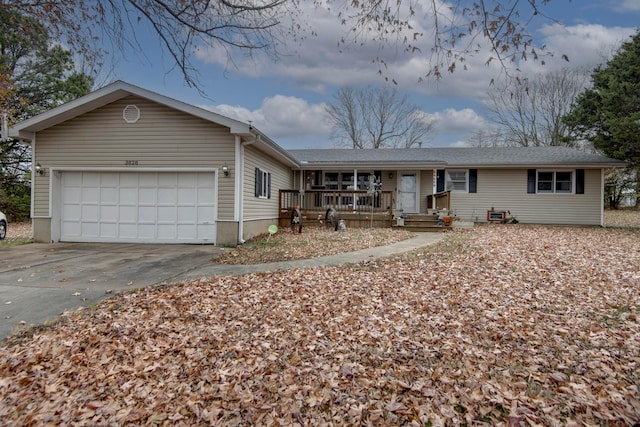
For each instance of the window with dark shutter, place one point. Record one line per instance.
(473, 180)
(263, 184)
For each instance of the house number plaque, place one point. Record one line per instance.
(131, 163)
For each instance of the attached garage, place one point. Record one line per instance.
(127, 165)
(136, 206)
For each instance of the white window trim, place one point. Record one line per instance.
(553, 182)
(263, 191)
(447, 180)
(265, 185)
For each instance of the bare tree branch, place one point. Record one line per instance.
(377, 118)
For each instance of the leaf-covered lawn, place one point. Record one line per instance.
(506, 325)
(313, 242)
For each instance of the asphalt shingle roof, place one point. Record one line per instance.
(471, 156)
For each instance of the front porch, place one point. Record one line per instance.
(358, 208)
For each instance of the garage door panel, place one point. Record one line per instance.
(109, 196)
(147, 231)
(72, 212)
(89, 213)
(148, 196)
(128, 231)
(149, 180)
(128, 214)
(129, 179)
(165, 207)
(91, 180)
(186, 231)
(167, 196)
(187, 180)
(147, 214)
(205, 212)
(186, 214)
(167, 231)
(187, 196)
(72, 195)
(109, 230)
(90, 229)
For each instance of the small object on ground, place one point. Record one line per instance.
(296, 220)
(342, 226)
(331, 218)
(273, 229)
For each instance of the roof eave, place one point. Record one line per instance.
(378, 165)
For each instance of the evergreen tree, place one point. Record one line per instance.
(608, 113)
(35, 75)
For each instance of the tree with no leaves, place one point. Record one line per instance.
(528, 113)
(377, 118)
(455, 30)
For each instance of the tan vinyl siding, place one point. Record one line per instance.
(281, 179)
(506, 189)
(162, 138)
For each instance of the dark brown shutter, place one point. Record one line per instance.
(473, 180)
(579, 181)
(531, 181)
(439, 180)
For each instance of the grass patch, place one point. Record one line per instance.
(14, 242)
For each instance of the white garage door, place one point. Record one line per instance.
(138, 207)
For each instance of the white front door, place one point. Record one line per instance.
(407, 192)
(140, 207)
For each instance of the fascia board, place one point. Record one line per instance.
(382, 165)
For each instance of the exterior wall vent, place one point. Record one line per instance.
(131, 114)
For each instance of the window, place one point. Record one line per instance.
(553, 182)
(456, 180)
(263, 184)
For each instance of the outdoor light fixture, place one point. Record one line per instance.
(39, 169)
(390, 175)
(225, 170)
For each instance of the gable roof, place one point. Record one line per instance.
(115, 91)
(407, 158)
(453, 157)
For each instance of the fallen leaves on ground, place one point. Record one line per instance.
(313, 242)
(629, 218)
(499, 325)
(18, 230)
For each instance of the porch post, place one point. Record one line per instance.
(434, 189)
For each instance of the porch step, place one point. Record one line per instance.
(422, 223)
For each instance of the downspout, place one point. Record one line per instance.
(239, 183)
(601, 197)
(33, 180)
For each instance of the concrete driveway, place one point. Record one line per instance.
(40, 281)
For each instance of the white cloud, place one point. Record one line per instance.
(585, 45)
(320, 65)
(628, 6)
(458, 121)
(282, 117)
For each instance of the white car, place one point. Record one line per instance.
(3, 226)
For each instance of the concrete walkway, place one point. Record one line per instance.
(418, 241)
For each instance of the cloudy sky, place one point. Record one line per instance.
(286, 99)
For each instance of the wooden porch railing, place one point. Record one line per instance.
(351, 205)
(442, 200)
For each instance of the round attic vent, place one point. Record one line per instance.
(131, 114)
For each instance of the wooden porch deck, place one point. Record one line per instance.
(358, 209)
